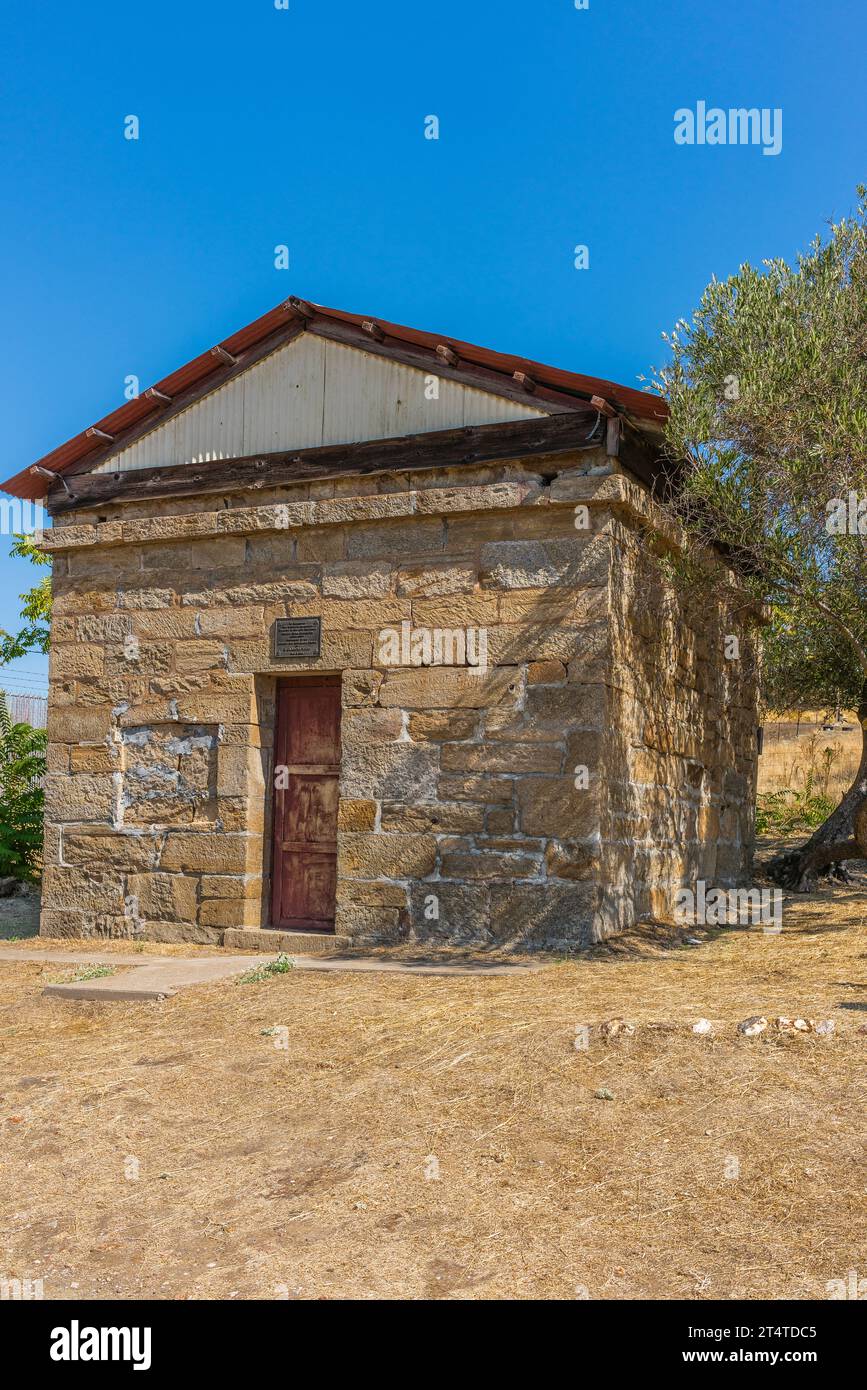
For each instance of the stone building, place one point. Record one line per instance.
(360, 635)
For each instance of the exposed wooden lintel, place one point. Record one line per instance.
(549, 434)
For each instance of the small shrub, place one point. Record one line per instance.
(806, 805)
(783, 811)
(267, 971)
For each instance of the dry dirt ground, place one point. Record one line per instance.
(417, 1137)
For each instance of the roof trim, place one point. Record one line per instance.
(541, 387)
(547, 435)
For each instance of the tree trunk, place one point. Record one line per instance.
(842, 836)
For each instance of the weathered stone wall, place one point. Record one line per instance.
(459, 819)
(679, 798)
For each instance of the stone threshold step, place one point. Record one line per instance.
(302, 943)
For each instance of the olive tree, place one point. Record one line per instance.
(767, 438)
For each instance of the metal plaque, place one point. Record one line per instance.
(297, 639)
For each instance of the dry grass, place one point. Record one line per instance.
(794, 749)
(265, 1171)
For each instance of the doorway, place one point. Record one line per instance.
(306, 779)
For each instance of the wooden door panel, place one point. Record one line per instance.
(307, 746)
(309, 885)
(311, 810)
(313, 733)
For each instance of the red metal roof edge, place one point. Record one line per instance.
(641, 404)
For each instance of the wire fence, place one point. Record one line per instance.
(25, 708)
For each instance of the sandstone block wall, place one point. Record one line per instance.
(464, 815)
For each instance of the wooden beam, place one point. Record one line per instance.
(93, 433)
(300, 307)
(639, 454)
(373, 328)
(152, 394)
(603, 407)
(447, 354)
(550, 434)
(524, 381)
(223, 356)
(612, 437)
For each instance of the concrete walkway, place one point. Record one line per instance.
(158, 977)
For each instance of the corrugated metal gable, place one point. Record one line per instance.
(308, 393)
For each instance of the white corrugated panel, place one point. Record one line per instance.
(284, 397)
(308, 393)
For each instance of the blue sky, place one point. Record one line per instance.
(305, 127)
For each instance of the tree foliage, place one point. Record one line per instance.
(767, 439)
(767, 391)
(22, 767)
(35, 608)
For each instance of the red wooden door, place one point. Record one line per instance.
(307, 765)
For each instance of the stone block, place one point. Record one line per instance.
(355, 579)
(456, 610)
(163, 896)
(574, 861)
(524, 564)
(356, 815)
(100, 759)
(450, 914)
(438, 817)
(401, 771)
(433, 581)
(361, 687)
(375, 926)
(488, 790)
(94, 889)
(119, 849)
(507, 757)
(367, 726)
(547, 672)
(439, 687)
(80, 797)
(443, 725)
(208, 852)
(163, 624)
(394, 539)
(231, 886)
(100, 627)
(76, 659)
(355, 891)
(192, 657)
(487, 866)
(232, 621)
(145, 598)
(223, 552)
(230, 912)
(552, 806)
(550, 916)
(385, 856)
